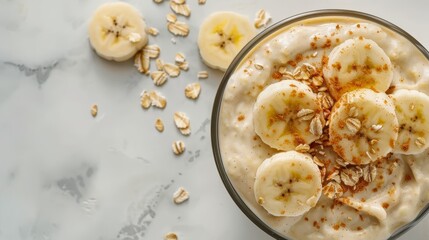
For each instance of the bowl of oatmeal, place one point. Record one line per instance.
(320, 131)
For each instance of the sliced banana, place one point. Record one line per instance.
(357, 63)
(117, 31)
(222, 35)
(287, 114)
(288, 184)
(412, 110)
(363, 126)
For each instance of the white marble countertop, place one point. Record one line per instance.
(65, 175)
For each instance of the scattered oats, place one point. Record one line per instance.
(158, 1)
(314, 54)
(300, 74)
(203, 74)
(192, 90)
(151, 51)
(179, 1)
(323, 172)
(335, 176)
(326, 99)
(142, 62)
(376, 127)
(159, 125)
(322, 89)
(201, 2)
(159, 64)
(353, 112)
(170, 236)
(157, 99)
(158, 77)
(262, 18)
(134, 37)
(353, 125)
(309, 68)
(318, 162)
(171, 18)
(171, 69)
(305, 114)
(145, 100)
(181, 120)
(317, 81)
(341, 162)
(349, 176)
(420, 142)
(152, 31)
(333, 190)
(258, 66)
(178, 28)
(322, 153)
(180, 58)
(178, 147)
(94, 110)
(302, 148)
(183, 66)
(181, 9)
(185, 131)
(316, 127)
(180, 195)
(369, 172)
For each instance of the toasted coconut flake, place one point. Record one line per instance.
(262, 18)
(142, 62)
(171, 69)
(159, 64)
(353, 125)
(181, 9)
(178, 147)
(152, 31)
(171, 18)
(171, 236)
(333, 190)
(145, 100)
(180, 195)
(180, 58)
(203, 74)
(157, 99)
(151, 51)
(178, 28)
(181, 120)
(305, 114)
(192, 90)
(159, 125)
(159, 77)
(94, 110)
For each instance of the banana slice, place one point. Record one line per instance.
(288, 184)
(363, 126)
(117, 31)
(357, 63)
(222, 35)
(412, 110)
(287, 114)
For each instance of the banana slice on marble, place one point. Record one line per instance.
(117, 31)
(412, 110)
(357, 63)
(287, 114)
(288, 184)
(222, 35)
(363, 126)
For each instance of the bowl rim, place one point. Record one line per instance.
(237, 61)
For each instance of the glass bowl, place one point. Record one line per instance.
(242, 55)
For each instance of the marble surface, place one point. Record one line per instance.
(65, 175)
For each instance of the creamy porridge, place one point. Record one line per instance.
(344, 99)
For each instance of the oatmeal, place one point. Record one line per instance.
(347, 100)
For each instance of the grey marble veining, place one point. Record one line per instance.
(65, 175)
